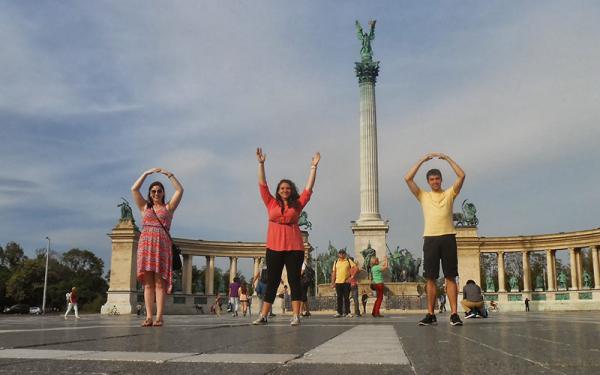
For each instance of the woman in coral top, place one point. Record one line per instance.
(154, 258)
(285, 246)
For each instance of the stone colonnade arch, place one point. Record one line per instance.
(577, 296)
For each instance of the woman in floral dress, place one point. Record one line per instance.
(154, 258)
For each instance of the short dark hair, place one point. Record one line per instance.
(433, 172)
(470, 282)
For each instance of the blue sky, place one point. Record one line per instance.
(94, 93)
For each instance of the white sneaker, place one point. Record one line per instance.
(349, 316)
(469, 316)
(295, 321)
(335, 316)
(261, 321)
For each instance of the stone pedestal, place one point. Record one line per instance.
(469, 262)
(122, 292)
(374, 234)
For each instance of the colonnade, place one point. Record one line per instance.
(551, 282)
(209, 274)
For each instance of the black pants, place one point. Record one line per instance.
(343, 298)
(276, 260)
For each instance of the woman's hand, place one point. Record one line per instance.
(315, 159)
(260, 156)
(151, 171)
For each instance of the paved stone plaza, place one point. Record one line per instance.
(551, 342)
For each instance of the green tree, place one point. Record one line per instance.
(12, 255)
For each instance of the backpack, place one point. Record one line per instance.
(308, 277)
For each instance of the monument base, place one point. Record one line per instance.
(369, 232)
(121, 302)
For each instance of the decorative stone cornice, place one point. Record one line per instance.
(367, 71)
(555, 241)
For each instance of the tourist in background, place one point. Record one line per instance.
(472, 301)
(526, 304)
(308, 279)
(442, 302)
(234, 296)
(377, 271)
(285, 246)
(154, 255)
(364, 299)
(340, 280)
(354, 289)
(439, 235)
(244, 300)
(72, 302)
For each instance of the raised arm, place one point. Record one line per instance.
(176, 198)
(460, 174)
(261, 166)
(139, 199)
(409, 177)
(313, 171)
(384, 265)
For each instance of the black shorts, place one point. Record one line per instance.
(436, 248)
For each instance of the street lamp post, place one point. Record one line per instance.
(46, 277)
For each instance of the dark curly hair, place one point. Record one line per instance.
(292, 200)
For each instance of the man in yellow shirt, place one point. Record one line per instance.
(439, 233)
(340, 280)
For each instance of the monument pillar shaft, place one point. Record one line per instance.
(526, 272)
(501, 282)
(209, 275)
(550, 269)
(596, 267)
(187, 273)
(579, 268)
(232, 268)
(572, 264)
(369, 179)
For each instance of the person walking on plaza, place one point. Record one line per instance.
(472, 301)
(377, 271)
(340, 280)
(72, 303)
(234, 295)
(244, 298)
(154, 254)
(308, 279)
(439, 234)
(526, 304)
(364, 299)
(354, 289)
(285, 246)
(442, 302)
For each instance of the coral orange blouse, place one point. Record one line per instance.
(283, 232)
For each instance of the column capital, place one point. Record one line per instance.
(367, 71)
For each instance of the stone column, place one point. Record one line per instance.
(209, 276)
(501, 282)
(526, 272)
(573, 265)
(186, 273)
(595, 266)
(256, 266)
(579, 264)
(550, 270)
(232, 268)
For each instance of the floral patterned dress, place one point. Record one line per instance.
(154, 246)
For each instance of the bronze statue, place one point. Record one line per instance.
(489, 284)
(403, 266)
(368, 254)
(587, 279)
(366, 52)
(562, 280)
(514, 283)
(468, 217)
(539, 282)
(304, 222)
(126, 212)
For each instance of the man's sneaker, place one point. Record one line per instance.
(272, 315)
(428, 320)
(349, 316)
(261, 321)
(470, 315)
(455, 320)
(338, 315)
(295, 321)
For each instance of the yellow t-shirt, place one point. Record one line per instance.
(342, 270)
(437, 212)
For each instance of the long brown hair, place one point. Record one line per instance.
(244, 288)
(149, 200)
(74, 292)
(292, 200)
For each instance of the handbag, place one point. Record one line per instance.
(176, 263)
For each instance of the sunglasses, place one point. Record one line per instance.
(155, 191)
